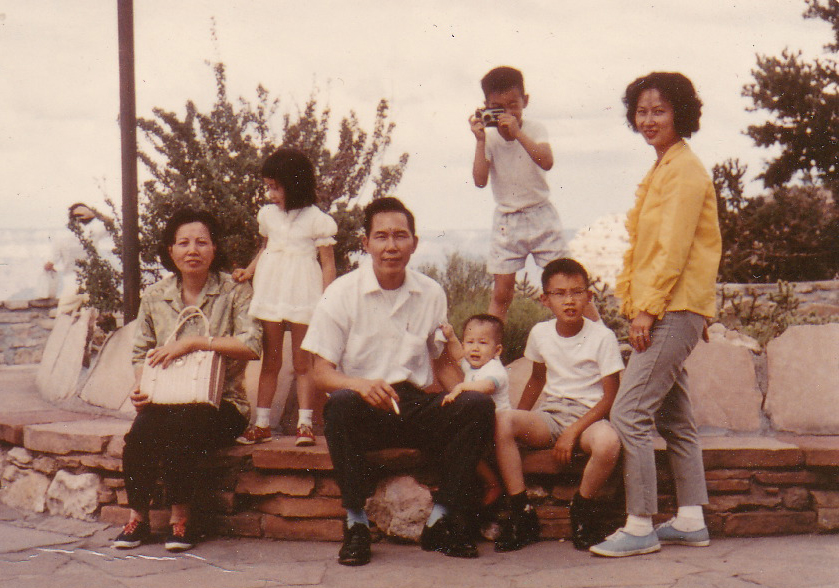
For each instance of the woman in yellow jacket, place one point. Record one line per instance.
(667, 291)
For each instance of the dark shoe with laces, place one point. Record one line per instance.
(180, 538)
(450, 536)
(356, 548)
(518, 530)
(133, 534)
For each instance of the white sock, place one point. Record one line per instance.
(304, 416)
(689, 518)
(262, 417)
(638, 526)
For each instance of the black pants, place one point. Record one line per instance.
(172, 442)
(455, 435)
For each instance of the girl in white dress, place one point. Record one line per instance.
(288, 281)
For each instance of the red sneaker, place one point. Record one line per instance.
(305, 436)
(254, 434)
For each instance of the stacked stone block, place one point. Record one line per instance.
(25, 326)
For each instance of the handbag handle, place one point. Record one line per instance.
(186, 314)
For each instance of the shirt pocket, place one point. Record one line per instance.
(412, 354)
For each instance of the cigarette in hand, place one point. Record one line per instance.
(395, 406)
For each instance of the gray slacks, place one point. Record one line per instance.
(654, 393)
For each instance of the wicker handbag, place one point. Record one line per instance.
(197, 377)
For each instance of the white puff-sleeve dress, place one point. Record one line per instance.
(288, 281)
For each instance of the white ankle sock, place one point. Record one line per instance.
(689, 518)
(304, 416)
(638, 526)
(263, 417)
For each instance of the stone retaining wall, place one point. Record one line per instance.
(757, 485)
(25, 326)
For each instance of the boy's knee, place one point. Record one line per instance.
(505, 424)
(605, 443)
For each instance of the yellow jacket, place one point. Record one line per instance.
(674, 240)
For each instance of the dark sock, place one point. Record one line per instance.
(518, 502)
(582, 501)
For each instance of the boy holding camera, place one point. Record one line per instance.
(515, 154)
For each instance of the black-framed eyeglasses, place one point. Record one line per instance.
(573, 293)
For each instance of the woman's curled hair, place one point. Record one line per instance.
(677, 90)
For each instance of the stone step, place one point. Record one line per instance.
(817, 450)
(77, 436)
(718, 453)
(13, 423)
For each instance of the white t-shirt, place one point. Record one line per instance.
(576, 365)
(517, 182)
(492, 370)
(355, 327)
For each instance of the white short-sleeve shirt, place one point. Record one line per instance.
(575, 365)
(517, 182)
(355, 327)
(492, 370)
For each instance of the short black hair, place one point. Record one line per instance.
(565, 266)
(293, 170)
(185, 216)
(679, 92)
(386, 204)
(501, 79)
(488, 319)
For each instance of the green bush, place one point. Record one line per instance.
(468, 287)
(763, 316)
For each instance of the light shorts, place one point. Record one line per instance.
(536, 230)
(561, 415)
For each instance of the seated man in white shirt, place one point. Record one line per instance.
(373, 336)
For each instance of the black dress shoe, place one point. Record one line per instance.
(355, 550)
(450, 537)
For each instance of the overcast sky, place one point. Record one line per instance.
(59, 102)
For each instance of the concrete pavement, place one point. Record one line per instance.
(42, 551)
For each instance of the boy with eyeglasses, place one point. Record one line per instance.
(576, 363)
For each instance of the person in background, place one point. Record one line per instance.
(62, 270)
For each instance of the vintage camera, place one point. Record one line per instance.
(489, 116)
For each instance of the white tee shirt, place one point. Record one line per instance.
(355, 327)
(575, 365)
(492, 370)
(517, 182)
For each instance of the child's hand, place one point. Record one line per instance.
(564, 448)
(241, 275)
(451, 396)
(508, 126)
(448, 331)
(477, 127)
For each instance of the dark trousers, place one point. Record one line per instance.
(172, 442)
(455, 435)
